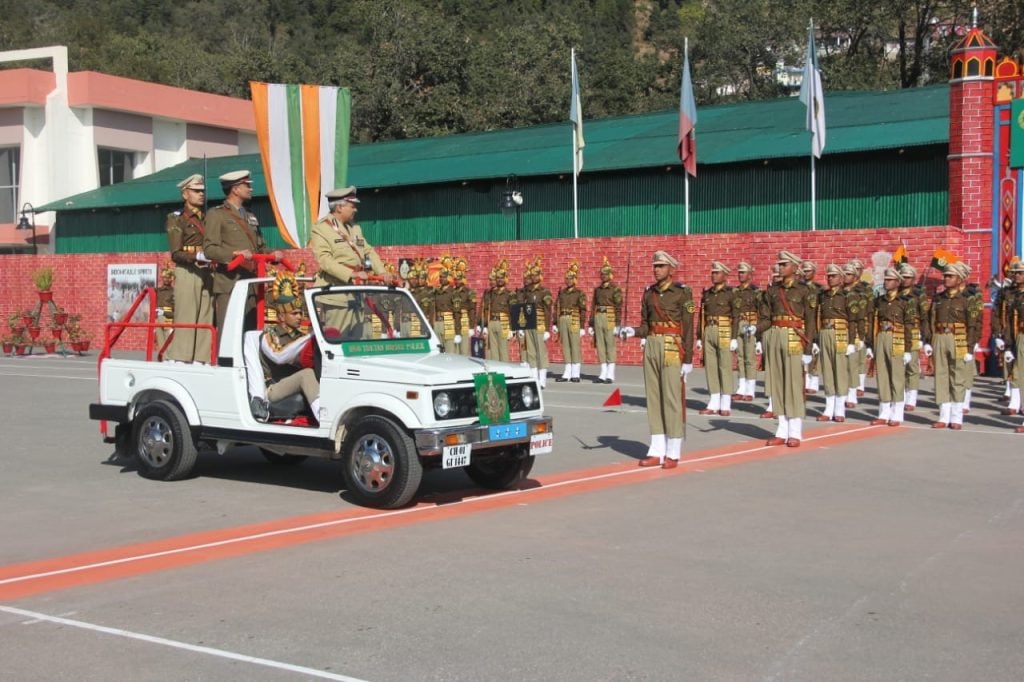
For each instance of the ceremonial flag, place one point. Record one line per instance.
(303, 133)
(687, 120)
(813, 97)
(576, 116)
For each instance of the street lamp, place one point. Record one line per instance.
(24, 224)
(512, 200)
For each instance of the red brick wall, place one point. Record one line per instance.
(80, 280)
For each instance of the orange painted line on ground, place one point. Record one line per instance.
(48, 575)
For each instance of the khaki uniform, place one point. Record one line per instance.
(667, 323)
(859, 305)
(464, 305)
(746, 299)
(955, 326)
(410, 324)
(165, 304)
(285, 379)
(193, 286)
(718, 327)
(859, 368)
(445, 321)
(790, 308)
(889, 338)
(340, 252)
(229, 229)
(605, 317)
(833, 339)
(1011, 330)
(918, 331)
(536, 350)
(571, 312)
(494, 313)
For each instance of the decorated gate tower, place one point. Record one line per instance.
(986, 152)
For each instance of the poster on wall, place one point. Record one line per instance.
(124, 284)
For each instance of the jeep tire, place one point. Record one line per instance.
(380, 463)
(162, 439)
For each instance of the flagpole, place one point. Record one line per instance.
(575, 188)
(686, 184)
(814, 209)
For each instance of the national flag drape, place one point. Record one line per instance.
(687, 120)
(576, 116)
(303, 135)
(813, 97)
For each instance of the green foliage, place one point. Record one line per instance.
(433, 67)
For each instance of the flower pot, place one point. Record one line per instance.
(56, 331)
(8, 348)
(33, 332)
(27, 320)
(50, 347)
(45, 296)
(21, 349)
(60, 318)
(84, 344)
(76, 346)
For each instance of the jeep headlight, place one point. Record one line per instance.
(442, 404)
(529, 397)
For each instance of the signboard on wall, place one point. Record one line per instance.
(124, 284)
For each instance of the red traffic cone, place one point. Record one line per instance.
(614, 400)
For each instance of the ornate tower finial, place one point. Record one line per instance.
(974, 17)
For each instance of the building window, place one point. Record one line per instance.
(10, 159)
(115, 166)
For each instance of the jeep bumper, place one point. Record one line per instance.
(431, 441)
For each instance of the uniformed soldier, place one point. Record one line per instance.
(808, 271)
(411, 326)
(495, 311)
(762, 341)
(864, 288)
(342, 253)
(859, 304)
(280, 347)
(193, 278)
(835, 344)
(445, 321)
(232, 230)
(889, 342)
(746, 298)
(605, 322)
(790, 308)
(955, 327)
(464, 305)
(533, 292)
(164, 305)
(908, 275)
(666, 335)
(1008, 331)
(718, 327)
(570, 311)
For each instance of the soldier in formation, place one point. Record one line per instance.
(746, 299)
(889, 341)
(918, 331)
(835, 344)
(445, 320)
(859, 304)
(718, 330)
(535, 350)
(464, 305)
(812, 380)
(570, 311)
(495, 308)
(606, 322)
(1010, 341)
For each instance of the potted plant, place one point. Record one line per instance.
(50, 346)
(60, 316)
(28, 317)
(43, 279)
(14, 321)
(56, 330)
(21, 345)
(8, 343)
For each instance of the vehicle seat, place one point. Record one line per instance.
(288, 407)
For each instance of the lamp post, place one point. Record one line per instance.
(23, 224)
(512, 200)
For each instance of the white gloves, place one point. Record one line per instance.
(583, 332)
(615, 331)
(521, 333)
(977, 348)
(159, 314)
(554, 330)
(485, 331)
(870, 354)
(547, 335)
(201, 257)
(850, 349)
(628, 332)
(859, 344)
(643, 342)
(699, 344)
(968, 357)
(815, 349)
(590, 331)
(757, 348)
(733, 344)
(685, 369)
(750, 330)
(1008, 356)
(928, 350)
(806, 359)
(478, 330)
(1000, 344)
(458, 338)
(906, 358)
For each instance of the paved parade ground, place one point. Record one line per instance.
(869, 553)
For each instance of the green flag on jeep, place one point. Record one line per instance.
(1017, 134)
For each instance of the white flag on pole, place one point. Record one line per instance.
(812, 95)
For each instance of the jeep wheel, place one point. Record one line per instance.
(502, 471)
(283, 460)
(380, 463)
(164, 447)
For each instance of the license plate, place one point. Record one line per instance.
(541, 443)
(455, 456)
(507, 431)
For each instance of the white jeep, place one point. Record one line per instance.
(391, 403)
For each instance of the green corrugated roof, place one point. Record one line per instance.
(728, 133)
